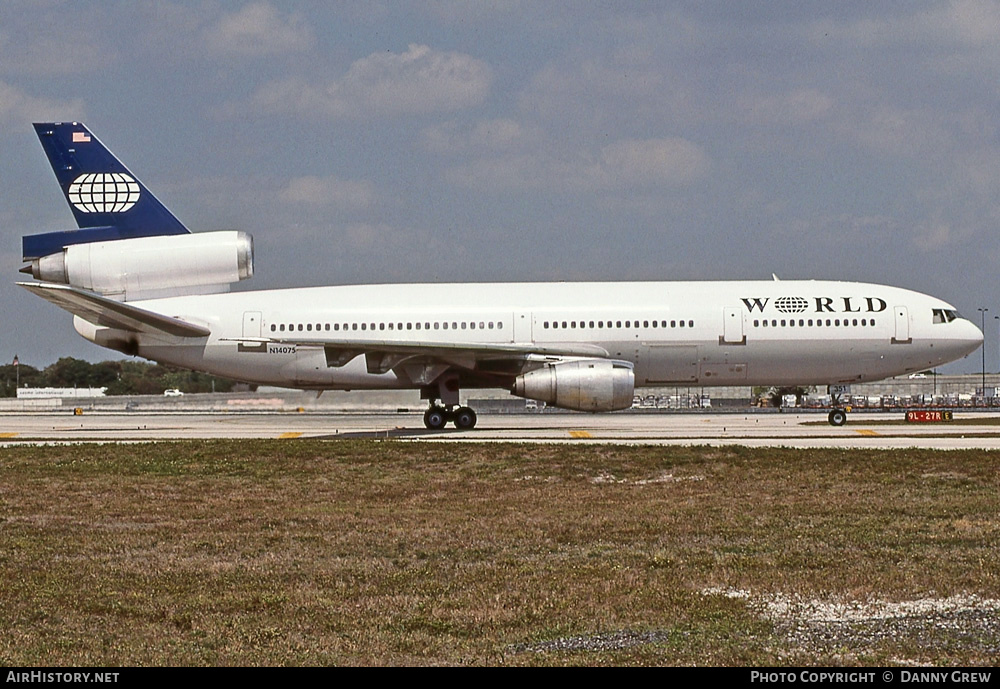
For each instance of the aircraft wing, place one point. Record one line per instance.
(421, 359)
(481, 349)
(112, 314)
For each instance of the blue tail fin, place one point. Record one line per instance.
(107, 200)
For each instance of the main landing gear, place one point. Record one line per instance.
(444, 407)
(437, 417)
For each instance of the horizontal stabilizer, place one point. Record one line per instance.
(113, 314)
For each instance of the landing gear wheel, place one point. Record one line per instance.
(838, 417)
(464, 418)
(435, 418)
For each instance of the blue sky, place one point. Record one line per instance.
(453, 141)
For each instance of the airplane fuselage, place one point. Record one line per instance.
(704, 333)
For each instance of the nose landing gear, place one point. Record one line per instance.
(838, 415)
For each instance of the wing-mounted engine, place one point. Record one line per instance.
(582, 385)
(151, 267)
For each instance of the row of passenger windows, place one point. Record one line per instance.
(410, 325)
(804, 323)
(555, 325)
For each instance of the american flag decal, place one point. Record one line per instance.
(81, 137)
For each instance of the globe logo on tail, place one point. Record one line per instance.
(103, 192)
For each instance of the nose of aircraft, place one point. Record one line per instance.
(965, 339)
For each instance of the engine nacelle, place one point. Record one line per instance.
(585, 385)
(149, 267)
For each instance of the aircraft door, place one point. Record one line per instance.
(522, 327)
(251, 324)
(732, 327)
(902, 316)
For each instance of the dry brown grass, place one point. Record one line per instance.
(350, 552)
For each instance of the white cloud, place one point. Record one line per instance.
(258, 29)
(19, 107)
(485, 135)
(796, 107)
(373, 236)
(329, 191)
(956, 24)
(421, 80)
(898, 131)
(632, 163)
(654, 161)
(596, 90)
(52, 53)
(964, 22)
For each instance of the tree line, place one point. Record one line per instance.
(119, 377)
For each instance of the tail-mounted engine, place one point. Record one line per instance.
(151, 267)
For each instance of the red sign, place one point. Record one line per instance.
(927, 416)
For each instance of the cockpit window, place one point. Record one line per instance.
(944, 315)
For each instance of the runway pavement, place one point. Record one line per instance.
(801, 430)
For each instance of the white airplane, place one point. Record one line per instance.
(138, 282)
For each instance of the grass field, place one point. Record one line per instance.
(361, 553)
